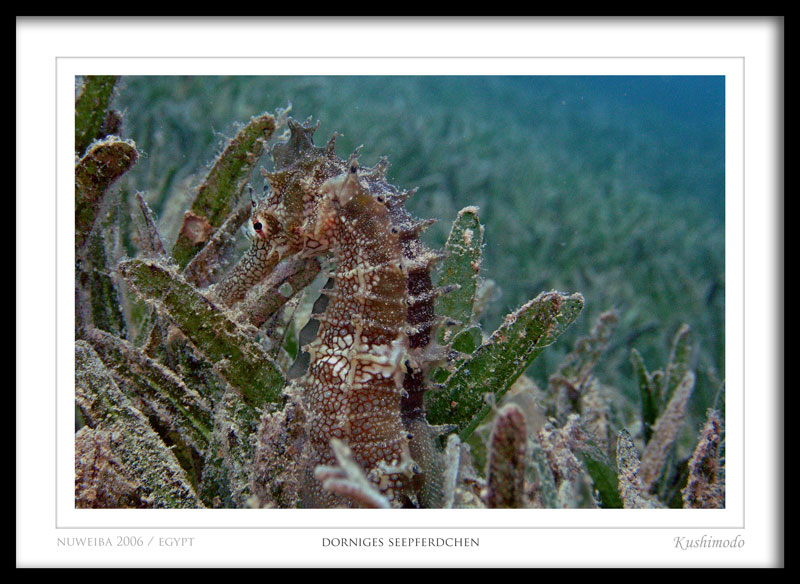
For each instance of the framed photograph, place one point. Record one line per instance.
(505, 294)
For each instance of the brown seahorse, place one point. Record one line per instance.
(368, 363)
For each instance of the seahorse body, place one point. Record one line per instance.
(367, 367)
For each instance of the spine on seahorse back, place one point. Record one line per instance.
(366, 373)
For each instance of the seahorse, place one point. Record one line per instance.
(368, 364)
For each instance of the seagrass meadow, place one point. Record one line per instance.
(267, 317)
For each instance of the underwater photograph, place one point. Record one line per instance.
(449, 292)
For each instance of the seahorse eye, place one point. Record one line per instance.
(257, 226)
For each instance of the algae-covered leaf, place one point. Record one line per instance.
(633, 493)
(228, 460)
(463, 345)
(665, 431)
(278, 448)
(149, 238)
(605, 480)
(217, 195)
(574, 379)
(104, 162)
(209, 263)
(120, 434)
(647, 393)
(180, 408)
(678, 364)
(240, 360)
(657, 388)
(460, 269)
(90, 108)
(498, 362)
(705, 486)
(545, 493)
(105, 310)
(505, 474)
(467, 340)
(587, 351)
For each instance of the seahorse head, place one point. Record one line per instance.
(308, 192)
